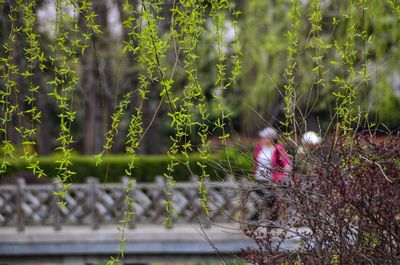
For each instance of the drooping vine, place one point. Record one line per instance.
(10, 70)
(34, 58)
(64, 83)
(290, 71)
(151, 51)
(148, 51)
(366, 39)
(237, 54)
(115, 122)
(219, 10)
(129, 24)
(320, 47)
(187, 28)
(135, 130)
(346, 95)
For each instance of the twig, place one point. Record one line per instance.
(380, 167)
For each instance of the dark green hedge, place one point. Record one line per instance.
(148, 167)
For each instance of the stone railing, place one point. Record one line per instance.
(95, 204)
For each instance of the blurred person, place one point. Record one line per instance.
(309, 152)
(310, 141)
(308, 155)
(271, 163)
(271, 166)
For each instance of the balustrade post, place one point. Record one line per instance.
(129, 201)
(93, 197)
(204, 218)
(231, 180)
(20, 202)
(134, 218)
(239, 203)
(160, 207)
(243, 189)
(57, 187)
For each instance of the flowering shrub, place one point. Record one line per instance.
(347, 203)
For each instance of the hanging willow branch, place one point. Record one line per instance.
(66, 77)
(10, 70)
(62, 92)
(320, 47)
(35, 58)
(188, 24)
(290, 71)
(347, 55)
(219, 10)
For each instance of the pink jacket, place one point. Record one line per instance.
(279, 161)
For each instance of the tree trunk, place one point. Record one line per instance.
(97, 83)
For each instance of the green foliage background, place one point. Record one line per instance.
(372, 44)
(146, 167)
(172, 78)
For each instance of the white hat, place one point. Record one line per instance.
(268, 132)
(311, 138)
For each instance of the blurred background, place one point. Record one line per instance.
(355, 47)
(255, 100)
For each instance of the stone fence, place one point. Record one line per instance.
(95, 204)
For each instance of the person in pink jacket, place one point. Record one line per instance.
(271, 166)
(270, 159)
